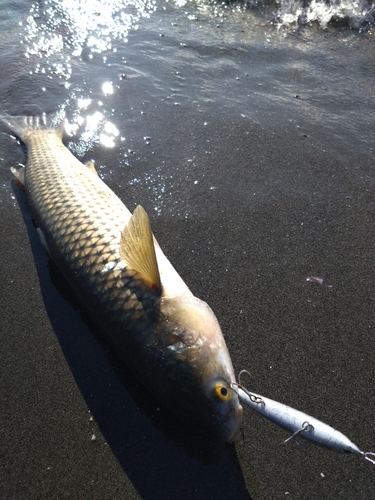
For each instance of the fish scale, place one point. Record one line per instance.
(170, 339)
(82, 220)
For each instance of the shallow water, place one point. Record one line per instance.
(251, 147)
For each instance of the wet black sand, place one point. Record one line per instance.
(74, 422)
(245, 213)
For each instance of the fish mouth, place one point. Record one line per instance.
(237, 426)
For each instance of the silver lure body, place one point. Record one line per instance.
(296, 421)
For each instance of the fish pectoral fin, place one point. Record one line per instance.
(156, 242)
(19, 177)
(138, 252)
(91, 166)
(43, 240)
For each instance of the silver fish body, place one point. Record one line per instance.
(170, 339)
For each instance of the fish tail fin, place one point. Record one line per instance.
(21, 125)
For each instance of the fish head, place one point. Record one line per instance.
(199, 367)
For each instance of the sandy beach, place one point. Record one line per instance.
(76, 424)
(253, 184)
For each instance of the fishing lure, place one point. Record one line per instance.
(298, 422)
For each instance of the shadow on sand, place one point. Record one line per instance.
(159, 455)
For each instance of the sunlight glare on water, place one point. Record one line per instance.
(86, 64)
(56, 33)
(54, 26)
(83, 103)
(96, 129)
(107, 88)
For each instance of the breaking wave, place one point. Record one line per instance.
(358, 14)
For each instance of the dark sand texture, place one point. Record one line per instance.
(266, 228)
(250, 190)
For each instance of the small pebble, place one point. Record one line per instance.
(315, 279)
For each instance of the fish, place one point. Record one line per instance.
(170, 339)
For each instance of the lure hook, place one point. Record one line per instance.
(241, 373)
(366, 454)
(253, 397)
(298, 423)
(306, 427)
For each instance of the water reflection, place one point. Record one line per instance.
(56, 33)
(107, 88)
(83, 103)
(60, 36)
(161, 188)
(95, 129)
(55, 26)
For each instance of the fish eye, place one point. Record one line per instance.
(221, 392)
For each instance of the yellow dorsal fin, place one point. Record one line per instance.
(137, 249)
